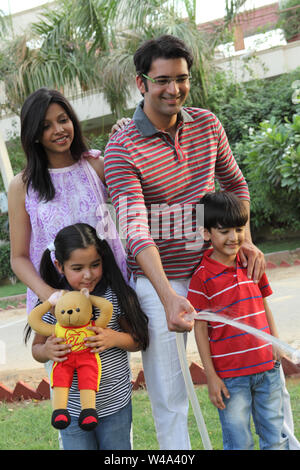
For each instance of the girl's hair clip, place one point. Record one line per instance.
(51, 247)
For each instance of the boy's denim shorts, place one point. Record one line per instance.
(259, 395)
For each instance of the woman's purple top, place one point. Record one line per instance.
(80, 197)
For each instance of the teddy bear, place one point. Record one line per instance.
(73, 311)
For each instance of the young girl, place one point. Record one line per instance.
(62, 184)
(77, 259)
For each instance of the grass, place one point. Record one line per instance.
(26, 425)
(144, 437)
(278, 245)
(12, 289)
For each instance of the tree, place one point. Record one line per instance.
(52, 54)
(85, 45)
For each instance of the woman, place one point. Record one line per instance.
(62, 184)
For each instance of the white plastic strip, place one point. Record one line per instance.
(191, 392)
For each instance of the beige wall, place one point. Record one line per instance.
(264, 64)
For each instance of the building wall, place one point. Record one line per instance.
(264, 64)
(22, 19)
(264, 17)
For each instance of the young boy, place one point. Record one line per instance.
(242, 371)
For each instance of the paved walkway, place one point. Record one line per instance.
(16, 358)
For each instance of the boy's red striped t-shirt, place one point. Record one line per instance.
(148, 172)
(228, 291)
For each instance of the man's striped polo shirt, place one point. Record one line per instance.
(156, 184)
(228, 291)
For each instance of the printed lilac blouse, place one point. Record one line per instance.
(80, 196)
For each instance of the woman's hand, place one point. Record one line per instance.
(119, 125)
(55, 297)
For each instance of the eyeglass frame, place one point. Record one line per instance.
(168, 79)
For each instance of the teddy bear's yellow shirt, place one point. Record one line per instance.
(74, 336)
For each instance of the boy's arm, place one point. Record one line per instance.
(273, 329)
(270, 319)
(215, 385)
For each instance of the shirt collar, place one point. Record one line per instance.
(146, 127)
(216, 268)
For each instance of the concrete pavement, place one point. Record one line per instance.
(284, 303)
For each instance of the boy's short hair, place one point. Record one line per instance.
(163, 47)
(223, 209)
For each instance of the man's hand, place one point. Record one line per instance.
(254, 259)
(179, 314)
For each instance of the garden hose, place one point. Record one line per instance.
(191, 392)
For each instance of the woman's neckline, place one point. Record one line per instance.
(62, 169)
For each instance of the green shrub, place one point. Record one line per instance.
(97, 141)
(5, 268)
(270, 161)
(16, 156)
(289, 20)
(4, 227)
(241, 106)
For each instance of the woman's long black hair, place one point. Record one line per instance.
(79, 236)
(32, 116)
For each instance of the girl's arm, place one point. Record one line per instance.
(20, 232)
(106, 338)
(49, 348)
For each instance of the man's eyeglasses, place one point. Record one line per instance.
(167, 80)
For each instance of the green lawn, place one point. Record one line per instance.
(26, 426)
(278, 245)
(12, 289)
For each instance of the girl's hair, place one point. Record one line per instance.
(223, 209)
(32, 116)
(79, 236)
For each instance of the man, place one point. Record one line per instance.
(157, 169)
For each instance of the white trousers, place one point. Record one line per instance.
(288, 423)
(162, 370)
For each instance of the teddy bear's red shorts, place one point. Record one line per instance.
(87, 365)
